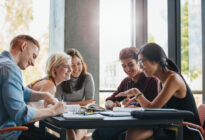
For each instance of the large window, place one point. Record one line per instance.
(26, 17)
(191, 44)
(115, 26)
(157, 23)
(115, 34)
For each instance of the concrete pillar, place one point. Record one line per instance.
(80, 31)
(57, 26)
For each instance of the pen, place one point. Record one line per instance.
(62, 97)
(134, 103)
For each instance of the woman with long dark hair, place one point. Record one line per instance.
(174, 91)
(80, 88)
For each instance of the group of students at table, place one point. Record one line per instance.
(153, 81)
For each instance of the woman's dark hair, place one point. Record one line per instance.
(130, 52)
(155, 53)
(66, 85)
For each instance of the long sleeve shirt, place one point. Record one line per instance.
(86, 92)
(147, 85)
(13, 97)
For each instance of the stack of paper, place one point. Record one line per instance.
(115, 114)
(70, 115)
(72, 108)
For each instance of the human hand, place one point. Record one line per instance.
(90, 101)
(59, 108)
(93, 102)
(49, 99)
(125, 101)
(129, 102)
(110, 104)
(117, 104)
(128, 93)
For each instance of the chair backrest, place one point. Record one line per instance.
(201, 111)
(16, 128)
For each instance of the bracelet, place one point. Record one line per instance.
(137, 95)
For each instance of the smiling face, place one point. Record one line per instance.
(63, 71)
(28, 55)
(149, 68)
(130, 67)
(77, 66)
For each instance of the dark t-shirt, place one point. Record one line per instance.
(147, 85)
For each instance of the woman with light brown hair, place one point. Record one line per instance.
(79, 89)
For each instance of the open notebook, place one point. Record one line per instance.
(77, 108)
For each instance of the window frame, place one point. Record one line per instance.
(203, 49)
(174, 35)
(139, 36)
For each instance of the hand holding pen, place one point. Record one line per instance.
(125, 101)
(128, 93)
(130, 102)
(62, 97)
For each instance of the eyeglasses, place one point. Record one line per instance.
(140, 62)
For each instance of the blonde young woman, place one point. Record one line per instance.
(58, 69)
